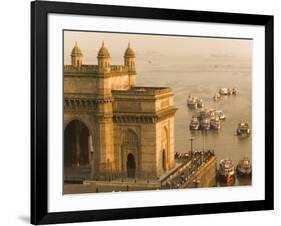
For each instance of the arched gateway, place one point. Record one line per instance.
(117, 128)
(77, 150)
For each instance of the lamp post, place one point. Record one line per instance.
(191, 145)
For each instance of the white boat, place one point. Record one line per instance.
(194, 123)
(226, 170)
(192, 101)
(223, 91)
(220, 115)
(215, 123)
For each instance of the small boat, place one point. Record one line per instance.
(226, 170)
(205, 124)
(217, 97)
(204, 113)
(244, 167)
(243, 129)
(192, 101)
(234, 91)
(215, 123)
(211, 112)
(229, 91)
(223, 91)
(220, 115)
(200, 103)
(194, 123)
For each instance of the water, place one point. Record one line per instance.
(204, 80)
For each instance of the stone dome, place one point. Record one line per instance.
(129, 52)
(76, 51)
(103, 52)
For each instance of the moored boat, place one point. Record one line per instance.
(226, 170)
(229, 91)
(200, 103)
(234, 91)
(244, 167)
(220, 114)
(204, 113)
(217, 97)
(211, 112)
(192, 101)
(215, 123)
(205, 124)
(223, 91)
(243, 129)
(194, 123)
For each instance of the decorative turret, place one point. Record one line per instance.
(130, 58)
(103, 59)
(76, 56)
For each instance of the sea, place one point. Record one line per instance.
(204, 79)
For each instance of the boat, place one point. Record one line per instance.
(217, 97)
(211, 112)
(229, 91)
(205, 124)
(215, 123)
(244, 167)
(243, 129)
(203, 113)
(223, 91)
(192, 101)
(234, 91)
(220, 115)
(226, 170)
(194, 123)
(200, 103)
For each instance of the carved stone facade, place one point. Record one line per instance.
(129, 130)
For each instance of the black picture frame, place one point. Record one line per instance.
(39, 112)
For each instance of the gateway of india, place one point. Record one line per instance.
(113, 128)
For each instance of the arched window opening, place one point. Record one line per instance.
(164, 149)
(131, 138)
(164, 167)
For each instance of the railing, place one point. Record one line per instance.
(138, 90)
(81, 69)
(93, 68)
(118, 68)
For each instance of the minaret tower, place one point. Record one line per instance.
(130, 63)
(130, 58)
(105, 168)
(76, 56)
(103, 60)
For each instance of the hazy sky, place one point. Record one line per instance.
(176, 47)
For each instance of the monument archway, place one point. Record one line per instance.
(130, 154)
(76, 144)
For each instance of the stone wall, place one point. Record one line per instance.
(206, 176)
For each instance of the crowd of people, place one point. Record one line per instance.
(197, 159)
